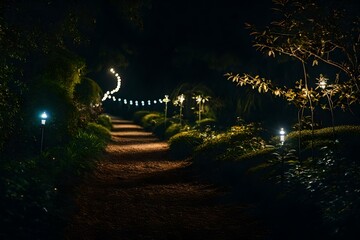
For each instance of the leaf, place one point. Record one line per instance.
(315, 62)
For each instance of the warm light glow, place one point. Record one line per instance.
(282, 136)
(166, 99)
(108, 94)
(322, 81)
(181, 98)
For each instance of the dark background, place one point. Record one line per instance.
(173, 42)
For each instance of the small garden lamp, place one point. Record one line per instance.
(43, 118)
(166, 100)
(282, 136)
(180, 101)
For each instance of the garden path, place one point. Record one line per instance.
(137, 192)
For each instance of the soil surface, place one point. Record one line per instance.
(138, 192)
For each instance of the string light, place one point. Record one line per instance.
(108, 94)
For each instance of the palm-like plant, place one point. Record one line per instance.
(179, 101)
(200, 101)
(166, 100)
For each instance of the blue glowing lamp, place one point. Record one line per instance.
(43, 117)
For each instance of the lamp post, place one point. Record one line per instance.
(181, 100)
(282, 140)
(166, 100)
(43, 117)
(282, 136)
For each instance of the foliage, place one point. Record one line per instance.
(332, 42)
(137, 116)
(173, 129)
(99, 130)
(327, 178)
(30, 188)
(200, 101)
(88, 92)
(29, 45)
(183, 144)
(200, 93)
(212, 148)
(205, 123)
(236, 141)
(104, 120)
(325, 184)
(160, 127)
(9, 106)
(149, 121)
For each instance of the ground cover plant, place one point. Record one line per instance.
(314, 186)
(320, 190)
(34, 190)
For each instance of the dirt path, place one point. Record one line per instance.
(137, 192)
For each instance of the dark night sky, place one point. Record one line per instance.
(180, 41)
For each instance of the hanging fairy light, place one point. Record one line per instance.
(108, 94)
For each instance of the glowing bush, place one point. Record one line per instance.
(105, 121)
(183, 144)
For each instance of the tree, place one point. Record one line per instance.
(321, 37)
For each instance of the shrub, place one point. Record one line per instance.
(230, 144)
(99, 131)
(183, 144)
(149, 121)
(160, 128)
(346, 137)
(205, 123)
(342, 132)
(212, 148)
(137, 116)
(174, 128)
(105, 121)
(29, 188)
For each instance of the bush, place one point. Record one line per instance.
(105, 121)
(160, 128)
(229, 145)
(205, 123)
(212, 148)
(345, 132)
(29, 188)
(137, 116)
(174, 128)
(99, 131)
(183, 144)
(346, 137)
(149, 121)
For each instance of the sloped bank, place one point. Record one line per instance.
(306, 190)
